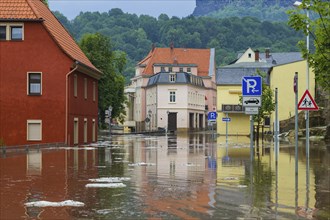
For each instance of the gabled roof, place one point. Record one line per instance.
(35, 10)
(176, 56)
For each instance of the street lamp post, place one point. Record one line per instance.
(297, 4)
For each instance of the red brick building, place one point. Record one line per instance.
(48, 87)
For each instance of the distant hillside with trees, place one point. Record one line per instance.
(271, 10)
(135, 35)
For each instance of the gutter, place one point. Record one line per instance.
(67, 101)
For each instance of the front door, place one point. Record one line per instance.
(172, 121)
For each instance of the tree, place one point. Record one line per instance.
(319, 30)
(111, 63)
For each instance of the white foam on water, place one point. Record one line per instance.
(105, 185)
(110, 179)
(54, 204)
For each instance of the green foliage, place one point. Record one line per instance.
(98, 49)
(135, 34)
(317, 25)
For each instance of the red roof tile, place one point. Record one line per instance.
(199, 57)
(36, 10)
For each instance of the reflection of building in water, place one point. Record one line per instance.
(234, 176)
(43, 175)
(180, 179)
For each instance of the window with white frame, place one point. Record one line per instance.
(172, 77)
(85, 130)
(93, 130)
(188, 69)
(172, 96)
(11, 31)
(3, 32)
(94, 91)
(75, 85)
(181, 69)
(170, 69)
(16, 33)
(34, 130)
(85, 88)
(34, 83)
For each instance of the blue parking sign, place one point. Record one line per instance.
(212, 116)
(251, 85)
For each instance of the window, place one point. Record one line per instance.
(267, 121)
(172, 96)
(249, 55)
(93, 131)
(16, 32)
(162, 69)
(85, 130)
(85, 88)
(34, 83)
(181, 69)
(75, 85)
(3, 32)
(94, 91)
(172, 77)
(75, 131)
(170, 69)
(189, 70)
(34, 128)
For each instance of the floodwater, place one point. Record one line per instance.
(166, 177)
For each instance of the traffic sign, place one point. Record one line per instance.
(251, 110)
(307, 102)
(251, 85)
(212, 116)
(252, 101)
(226, 119)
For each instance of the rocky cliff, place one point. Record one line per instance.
(204, 7)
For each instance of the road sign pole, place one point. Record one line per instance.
(251, 137)
(296, 124)
(276, 126)
(227, 130)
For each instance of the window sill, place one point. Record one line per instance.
(34, 94)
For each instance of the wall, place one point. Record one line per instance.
(240, 122)
(37, 52)
(281, 77)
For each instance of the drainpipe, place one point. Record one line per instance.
(67, 100)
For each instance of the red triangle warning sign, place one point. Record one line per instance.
(307, 102)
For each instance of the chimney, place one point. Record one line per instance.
(153, 47)
(267, 51)
(256, 55)
(172, 45)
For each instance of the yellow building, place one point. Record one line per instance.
(279, 69)
(281, 77)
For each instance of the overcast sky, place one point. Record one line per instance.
(71, 8)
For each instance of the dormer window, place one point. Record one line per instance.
(172, 77)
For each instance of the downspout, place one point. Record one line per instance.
(67, 101)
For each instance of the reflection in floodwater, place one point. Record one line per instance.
(172, 177)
